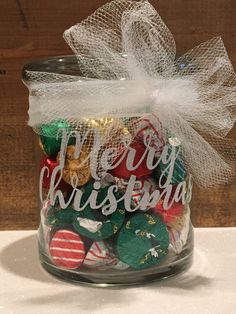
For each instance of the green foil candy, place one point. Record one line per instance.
(51, 136)
(60, 218)
(143, 241)
(88, 222)
(92, 223)
(179, 172)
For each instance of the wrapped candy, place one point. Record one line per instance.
(51, 135)
(153, 132)
(86, 223)
(141, 187)
(179, 221)
(143, 241)
(171, 214)
(100, 257)
(50, 165)
(109, 128)
(179, 171)
(178, 238)
(57, 217)
(67, 249)
(141, 171)
(76, 169)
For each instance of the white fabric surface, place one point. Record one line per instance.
(208, 287)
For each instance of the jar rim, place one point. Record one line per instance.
(65, 64)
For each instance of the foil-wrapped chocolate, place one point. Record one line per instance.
(51, 137)
(179, 171)
(76, 170)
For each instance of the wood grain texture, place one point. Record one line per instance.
(31, 29)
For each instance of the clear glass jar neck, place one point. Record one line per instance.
(66, 65)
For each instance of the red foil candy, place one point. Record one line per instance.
(51, 165)
(155, 131)
(170, 214)
(142, 171)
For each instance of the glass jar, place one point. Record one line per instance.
(114, 194)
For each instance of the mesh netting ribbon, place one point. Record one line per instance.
(127, 56)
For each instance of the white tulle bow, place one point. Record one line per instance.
(128, 59)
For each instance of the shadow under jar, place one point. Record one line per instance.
(114, 191)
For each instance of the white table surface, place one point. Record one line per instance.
(208, 287)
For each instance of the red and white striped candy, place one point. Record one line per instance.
(179, 238)
(175, 241)
(99, 256)
(67, 249)
(142, 186)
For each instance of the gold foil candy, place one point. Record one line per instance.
(111, 133)
(179, 222)
(76, 169)
(110, 129)
(101, 124)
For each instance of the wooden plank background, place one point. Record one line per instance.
(31, 29)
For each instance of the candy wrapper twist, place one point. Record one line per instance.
(127, 58)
